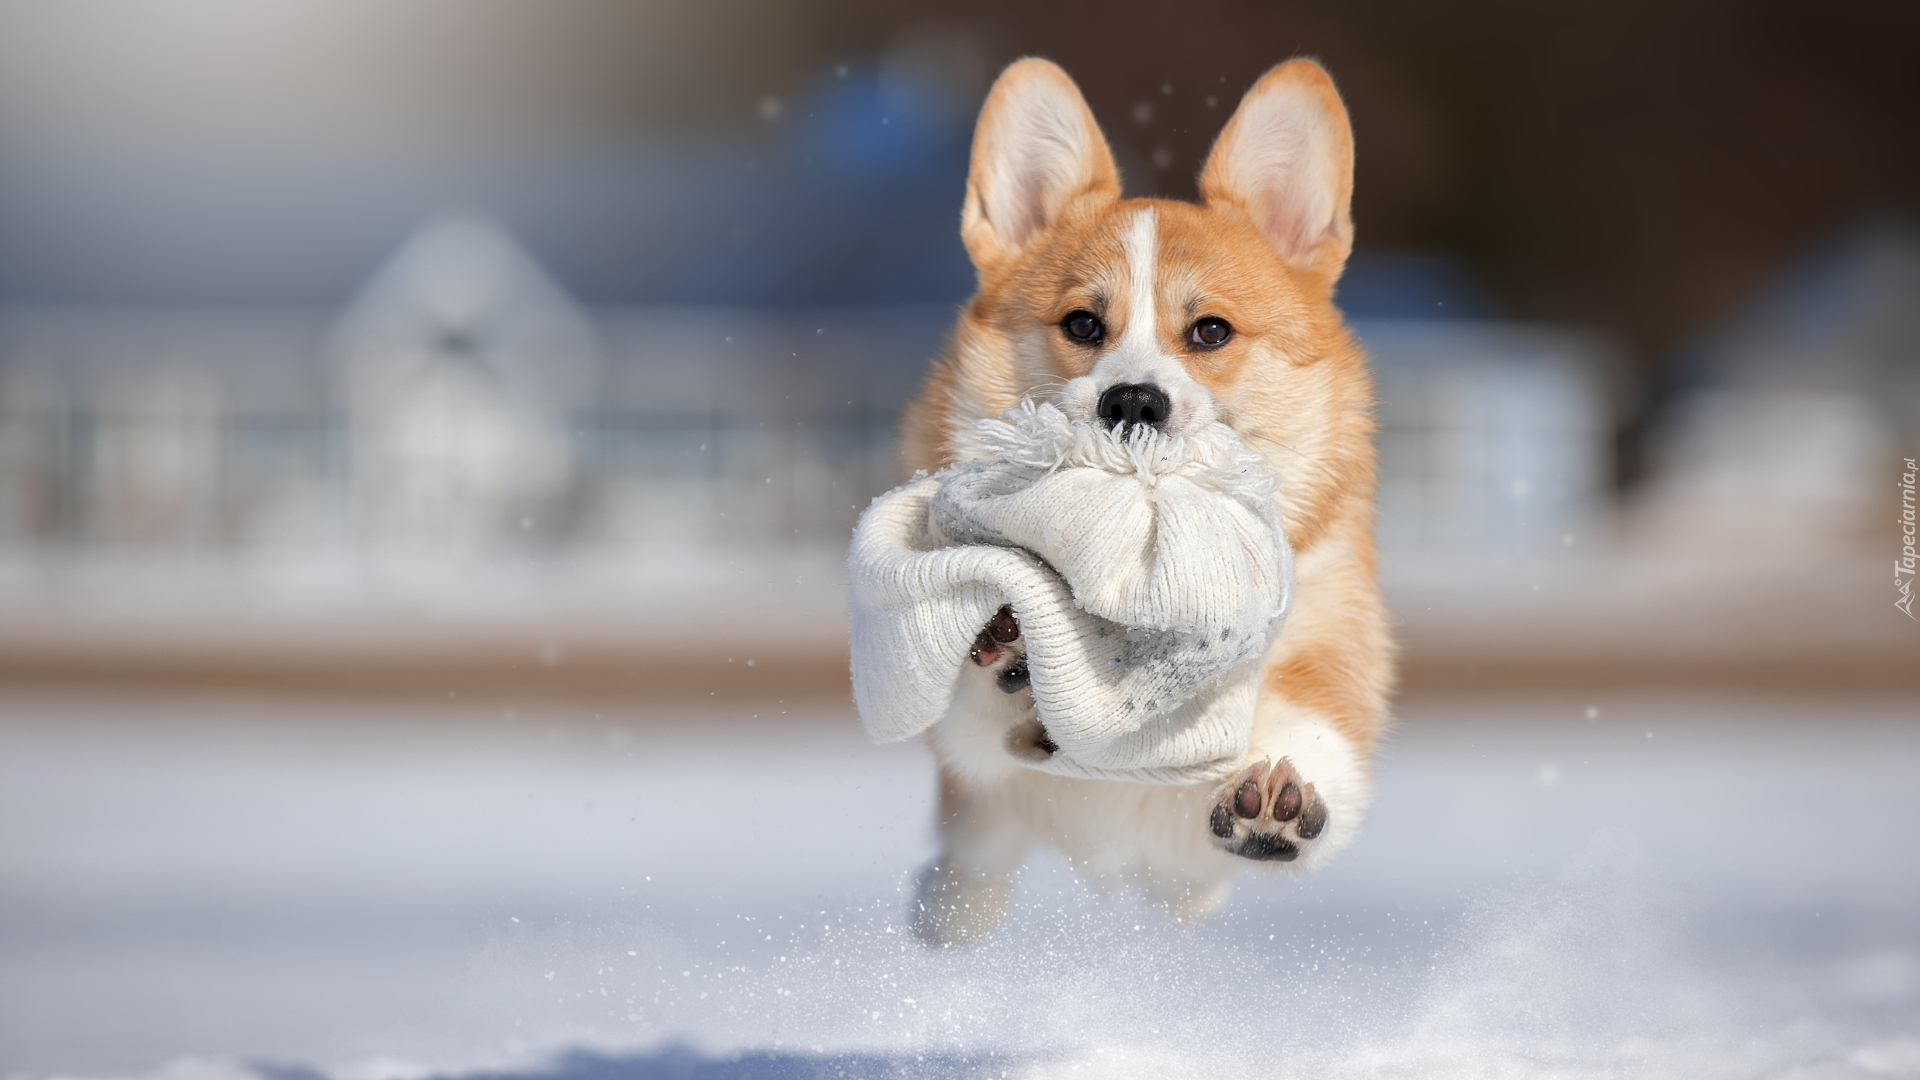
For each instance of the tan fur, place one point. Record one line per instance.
(1262, 252)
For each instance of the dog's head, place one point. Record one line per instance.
(1158, 312)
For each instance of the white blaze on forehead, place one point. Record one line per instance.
(1138, 356)
(1139, 245)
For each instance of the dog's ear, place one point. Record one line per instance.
(1286, 160)
(1036, 150)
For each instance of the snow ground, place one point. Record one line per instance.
(1684, 887)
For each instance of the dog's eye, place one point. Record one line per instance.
(1210, 332)
(1083, 326)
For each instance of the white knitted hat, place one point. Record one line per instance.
(1149, 573)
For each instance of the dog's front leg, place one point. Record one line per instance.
(964, 893)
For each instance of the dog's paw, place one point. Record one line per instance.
(1267, 812)
(958, 907)
(999, 649)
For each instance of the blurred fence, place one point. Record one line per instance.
(159, 477)
(1494, 438)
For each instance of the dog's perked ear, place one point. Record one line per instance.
(1036, 151)
(1286, 161)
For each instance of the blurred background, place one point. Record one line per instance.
(370, 364)
(478, 329)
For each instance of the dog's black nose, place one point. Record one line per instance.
(1128, 404)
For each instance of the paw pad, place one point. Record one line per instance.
(998, 647)
(1268, 813)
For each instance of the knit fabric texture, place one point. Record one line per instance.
(1149, 573)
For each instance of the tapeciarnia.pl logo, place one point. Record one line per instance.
(1905, 563)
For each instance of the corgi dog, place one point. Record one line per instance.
(1173, 314)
